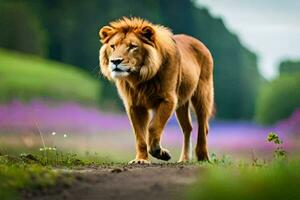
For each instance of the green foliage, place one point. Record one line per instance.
(223, 161)
(278, 180)
(278, 99)
(26, 77)
(20, 29)
(16, 175)
(30, 171)
(273, 137)
(289, 66)
(279, 153)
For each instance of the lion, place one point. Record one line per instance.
(156, 74)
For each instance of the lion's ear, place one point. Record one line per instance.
(105, 33)
(148, 33)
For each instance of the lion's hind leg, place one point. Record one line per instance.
(184, 118)
(202, 102)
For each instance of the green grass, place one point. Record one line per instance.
(26, 77)
(259, 180)
(16, 175)
(36, 171)
(276, 180)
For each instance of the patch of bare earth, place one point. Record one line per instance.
(155, 181)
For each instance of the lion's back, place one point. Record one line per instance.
(196, 63)
(193, 52)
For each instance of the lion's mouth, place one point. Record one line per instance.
(120, 70)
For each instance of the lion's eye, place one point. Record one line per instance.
(112, 46)
(132, 46)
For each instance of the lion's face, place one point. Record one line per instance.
(128, 51)
(125, 55)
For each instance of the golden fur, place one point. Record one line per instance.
(157, 71)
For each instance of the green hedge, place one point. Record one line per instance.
(26, 77)
(277, 100)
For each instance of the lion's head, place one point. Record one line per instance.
(132, 48)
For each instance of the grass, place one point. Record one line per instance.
(26, 77)
(223, 178)
(36, 171)
(16, 176)
(259, 180)
(276, 180)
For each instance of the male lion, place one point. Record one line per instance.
(157, 71)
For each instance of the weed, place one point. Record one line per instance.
(225, 160)
(279, 152)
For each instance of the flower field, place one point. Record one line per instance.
(90, 129)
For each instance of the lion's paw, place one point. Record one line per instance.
(139, 161)
(202, 155)
(160, 153)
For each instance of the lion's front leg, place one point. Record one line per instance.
(139, 118)
(160, 118)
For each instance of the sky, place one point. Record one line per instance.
(269, 28)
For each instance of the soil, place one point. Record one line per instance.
(155, 181)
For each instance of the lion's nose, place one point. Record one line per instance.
(117, 61)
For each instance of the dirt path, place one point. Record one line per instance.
(157, 181)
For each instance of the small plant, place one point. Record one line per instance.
(50, 155)
(273, 137)
(255, 161)
(279, 153)
(213, 158)
(224, 160)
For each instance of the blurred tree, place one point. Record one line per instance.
(250, 83)
(21, 30)
(178, 16)
(289, 66)
(278, 99)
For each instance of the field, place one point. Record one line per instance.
(69, 151)
(64, 176)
